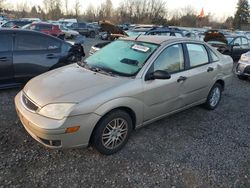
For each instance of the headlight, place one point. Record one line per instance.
(244, 58)
(56, 111)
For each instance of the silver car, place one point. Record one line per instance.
(243, 67)
(128, 84)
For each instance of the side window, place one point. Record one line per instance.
(6, 42)
(213, 56)
(165, 33)
(82, 25)
(237, 41)
(178, 34)
(35, 42)
(244, 41)
(197, 54)
(53, 44)
(8, 24)
(45, 27)
(171, 59)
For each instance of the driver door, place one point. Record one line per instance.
(163, 96)
(237, 48)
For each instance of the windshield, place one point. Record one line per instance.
(124, 58)
(135, 33)
(63, 28)
(229, 39)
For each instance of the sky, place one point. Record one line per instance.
(217, 8)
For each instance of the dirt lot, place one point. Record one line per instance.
(195, 148)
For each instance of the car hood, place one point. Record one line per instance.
(111, 28)
(71, 84)
(215, 37)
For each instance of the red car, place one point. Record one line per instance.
(46, 28)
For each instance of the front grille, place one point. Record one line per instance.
(56, 143)
(28, 103)
(247, 69)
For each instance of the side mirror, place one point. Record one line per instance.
(158, 75)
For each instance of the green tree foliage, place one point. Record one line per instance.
(242, 14)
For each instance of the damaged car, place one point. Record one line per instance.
(25, 54)
(128, 84)
(233, 45)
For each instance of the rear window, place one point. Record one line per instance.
(197, 54)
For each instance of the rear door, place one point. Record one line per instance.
(200, 75)
(34, 54)
(6, 46)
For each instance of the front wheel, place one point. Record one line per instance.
(214, 97)
(112, 132)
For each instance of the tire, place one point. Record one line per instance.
(242, 77)
(92, 34)
(112, 132)
(214, 97)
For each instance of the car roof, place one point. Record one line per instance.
(158, 39)
(234, 36)
(10, 30)
(42, 23)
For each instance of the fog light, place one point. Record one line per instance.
(72, 129)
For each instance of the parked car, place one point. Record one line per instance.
(109, 31)
(15, 24)
(47, 28)
(137, 32)
(68, 33)
(233, 45)
(25, 54)
(165, 32)
(83, 29)
(128, 84)
(243, 66)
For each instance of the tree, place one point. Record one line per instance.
(53, 9)
(33, 12)
(23, 9)
(66, 4)
(90, 13)
(242, 14)
(77, 6)
(2, 4)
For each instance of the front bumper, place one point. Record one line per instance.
(51, 133)
(243, 68)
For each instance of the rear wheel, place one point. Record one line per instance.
(112, 132)
(242, 77)
(92, 34)
(214, 97)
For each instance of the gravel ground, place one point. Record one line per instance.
(194, 148)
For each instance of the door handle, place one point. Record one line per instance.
(51, 56)
(210, 69)
(3, 58)
(181, 79)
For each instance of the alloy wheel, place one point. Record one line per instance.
(115, 133)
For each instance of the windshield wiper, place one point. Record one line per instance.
(102, 70)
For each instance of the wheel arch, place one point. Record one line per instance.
(126, 109)
(221, 82)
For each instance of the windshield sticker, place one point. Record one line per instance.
(140, 48)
